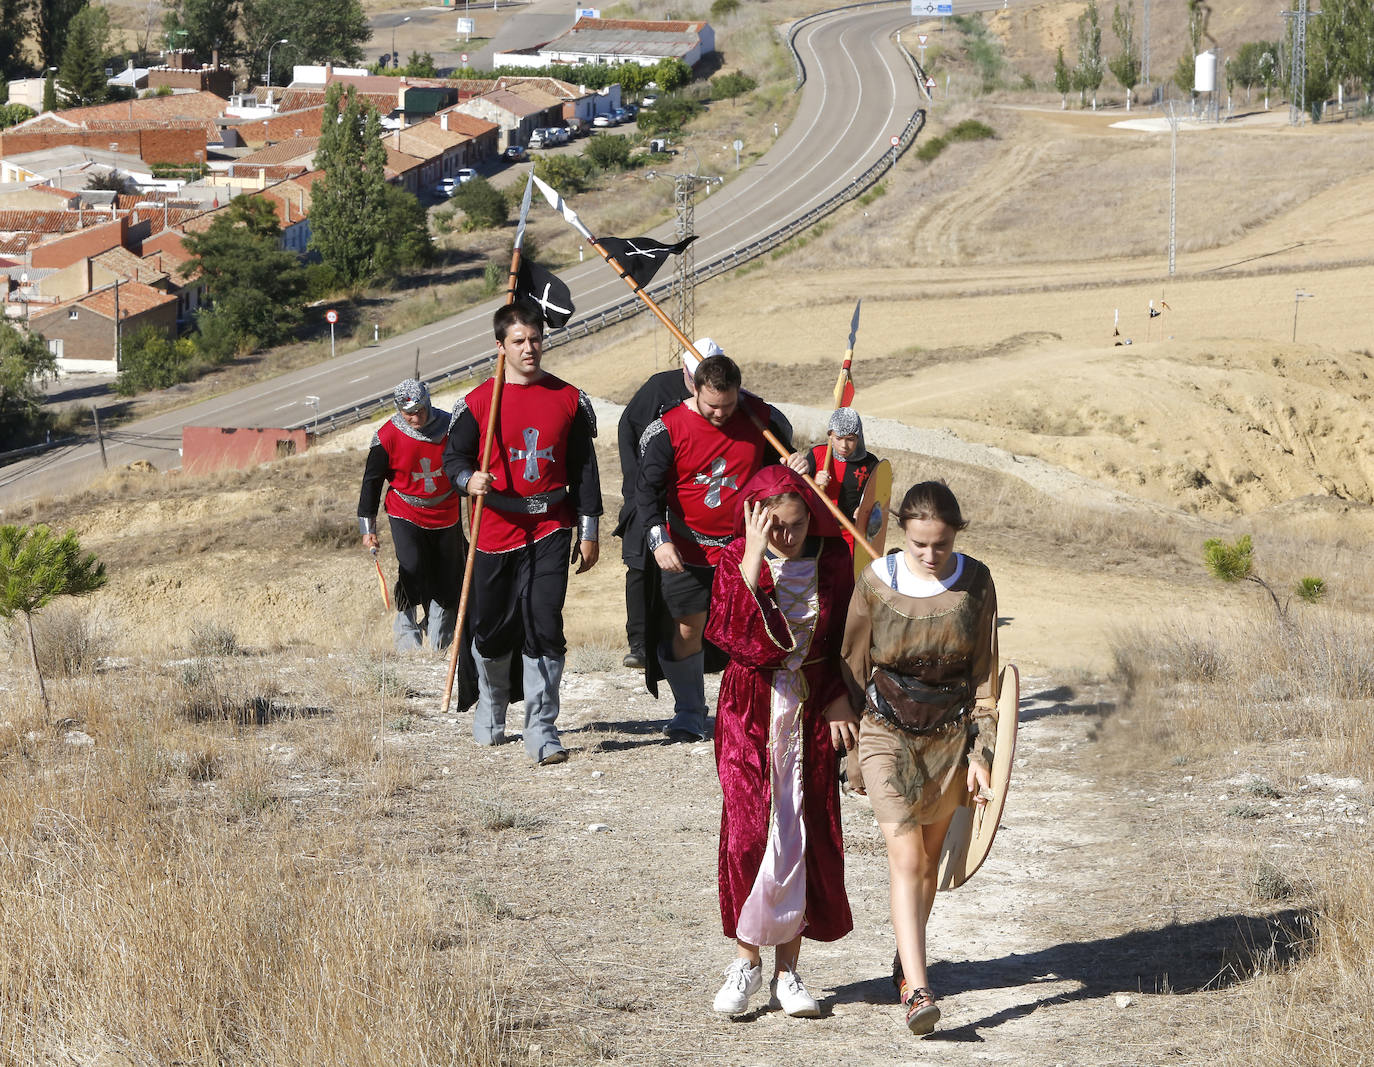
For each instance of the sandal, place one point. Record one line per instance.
(898, 977)
(922, 1013)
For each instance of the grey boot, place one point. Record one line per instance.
(406, 631)
(441, 622)
(542, 677)
(687, 679)
(493, 697)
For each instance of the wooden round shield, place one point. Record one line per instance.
(871, 518)
(969, 838)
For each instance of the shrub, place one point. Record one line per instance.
(567, 174)
(152, 360)
(484, 205)
(732, 85)
(609, 152)
(668, 116)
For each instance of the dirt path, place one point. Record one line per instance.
(595, 881)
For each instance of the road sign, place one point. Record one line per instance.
(331, 316)
(930, 84)
(923, 38)
(896, 140)
(930, 8)
(467, 26)
(463, 58)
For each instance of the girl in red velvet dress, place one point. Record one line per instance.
(778, 610)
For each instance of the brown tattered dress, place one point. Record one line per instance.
(915, 780)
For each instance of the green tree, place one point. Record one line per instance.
(14, 28)
(35, 569)
(668, 116)
(1125, 65)
(1236, 563)
(407, 243)
(204, 26)
(1087, 75)
(671, 74)
(608, 152)
(81, 77)
(567, 174)
(1063, 79)
(1245, 66)
(13, 114)
(315, 33)
(25, 364)
(721, 8)
(254, 284)
(482, 203)
(633, 78)
(348, 213)
(49, 92)
(152, 360)
(50, 20)
(732, 85)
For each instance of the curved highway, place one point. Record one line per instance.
(859, 93)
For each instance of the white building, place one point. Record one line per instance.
(612, 41)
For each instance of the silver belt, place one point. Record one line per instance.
(537, 504)
(423, 501)
(679, 525)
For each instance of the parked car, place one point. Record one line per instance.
(577, 127)
(602, 121)
(446, 186)
(515, 153)
(558, 135)
(539, 139)
(649, 100)
(632, 110)
(465, 175)
(621, 115)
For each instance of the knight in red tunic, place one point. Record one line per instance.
(850, 464)
(541, 485)
(407, 453)
(693, 461)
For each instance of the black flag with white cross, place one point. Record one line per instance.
(640, 257)
(542, 287)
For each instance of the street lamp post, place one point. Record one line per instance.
(268, 75)
(394, 64)
(1298, 297)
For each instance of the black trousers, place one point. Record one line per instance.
(429, 564)
(634, 607)
(521, 590)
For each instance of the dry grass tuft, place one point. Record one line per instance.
(71, 640)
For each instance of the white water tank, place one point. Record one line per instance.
(1205, 72)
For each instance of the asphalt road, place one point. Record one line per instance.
(859, 93)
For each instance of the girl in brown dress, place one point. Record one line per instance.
(920, 651)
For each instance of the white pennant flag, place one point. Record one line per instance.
(556, 202)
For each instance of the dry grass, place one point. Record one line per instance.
(136, 922)
(1199, 692)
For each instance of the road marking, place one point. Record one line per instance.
(283, 407)
(355, 381)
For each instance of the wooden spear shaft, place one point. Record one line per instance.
(769, 436)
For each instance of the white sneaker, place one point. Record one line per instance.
(741, 982)
(792, 997)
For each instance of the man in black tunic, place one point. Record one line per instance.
(662, 391)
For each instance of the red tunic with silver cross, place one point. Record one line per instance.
(417, 472)
(710, 466)
(528, 457)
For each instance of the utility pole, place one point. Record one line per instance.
(685, 187)
(1173, 183)
(1297, 70)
